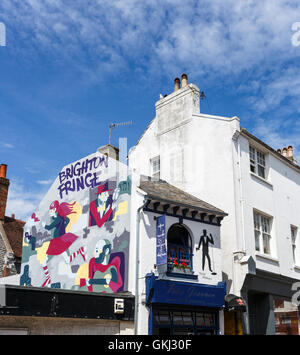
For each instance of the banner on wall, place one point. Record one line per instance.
(78, 237)
(161, 250)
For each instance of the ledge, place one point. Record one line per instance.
(182, 276)
(261, 179)
(267, 257)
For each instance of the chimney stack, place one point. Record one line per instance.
(288, 153)
(184, 80)
(176, 84)
(4, 184)
(110, 151)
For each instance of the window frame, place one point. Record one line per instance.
(294, 243)
(258, 162)
(263, 229)
(155, 162)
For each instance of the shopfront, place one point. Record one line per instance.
(182, 308)
(270, 308)
(233, 314)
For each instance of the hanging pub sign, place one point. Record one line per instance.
(161, 250)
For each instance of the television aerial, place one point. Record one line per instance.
(114, 125)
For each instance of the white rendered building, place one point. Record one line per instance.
(216, 160)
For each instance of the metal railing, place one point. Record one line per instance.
(179, 258)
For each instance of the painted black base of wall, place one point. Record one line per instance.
(41, 302)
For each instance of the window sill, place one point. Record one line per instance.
(268, 257)
(261, 179)
(182, 275)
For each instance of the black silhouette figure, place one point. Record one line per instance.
(205, 240)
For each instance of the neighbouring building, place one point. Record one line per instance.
(213, 158)
(11, 232)
(75, 256)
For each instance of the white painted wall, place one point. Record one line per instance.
(208, 157)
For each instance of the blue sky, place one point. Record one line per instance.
(72, 67)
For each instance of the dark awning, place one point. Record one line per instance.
(234, 303)
(184, 293)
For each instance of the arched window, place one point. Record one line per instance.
(180, 257)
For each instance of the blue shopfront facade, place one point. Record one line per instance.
(179, 308)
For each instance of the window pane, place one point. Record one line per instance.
(293, 235)
(200, 319)
(187, 318)
(252, 168)
(261, 159)
(261, 171)
(266, 243)
(205, 319)
(256, 221)
(177, 318)
(252, 154)
(164, 318)
(257, 247)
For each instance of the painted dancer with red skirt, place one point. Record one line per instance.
(61, 241)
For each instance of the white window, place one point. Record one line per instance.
(262, 233)
(294, 243)
(155, 167)
(257, 162)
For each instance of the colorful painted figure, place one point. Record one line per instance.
(102, 209)
(61, 241)
(104, 274)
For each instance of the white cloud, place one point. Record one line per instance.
(22, 201)
(207, 36)
(6, 145)
(218, 40)
(45, 182)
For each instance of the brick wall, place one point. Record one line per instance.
(4, 184)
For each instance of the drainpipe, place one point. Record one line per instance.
(137, 258)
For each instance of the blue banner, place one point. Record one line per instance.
(161, 250)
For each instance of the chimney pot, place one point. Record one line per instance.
(13, 215)
(284, 152)
(3, 169)
(184, 80)
(279, 151)
(176, 84)
(290, 151)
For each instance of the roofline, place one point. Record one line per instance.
(246, 134)
(221, 213)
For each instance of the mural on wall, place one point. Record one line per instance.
(209, 254)
(204, 241)
(78, 237)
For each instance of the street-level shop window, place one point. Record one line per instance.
(286, 317)
(294, 244)
(257, 162)
(173, 322)
(262, 232)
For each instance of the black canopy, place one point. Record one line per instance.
(234, 303)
